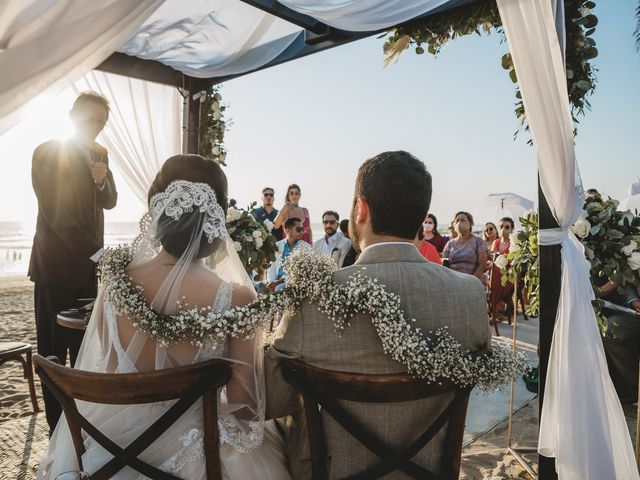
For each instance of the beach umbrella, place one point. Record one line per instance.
(497, 205)
(632, 202)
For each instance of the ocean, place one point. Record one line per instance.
(16, 239)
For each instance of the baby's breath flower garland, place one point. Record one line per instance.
(434, 356)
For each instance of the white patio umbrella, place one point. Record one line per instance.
(497, 205)
(632, 202)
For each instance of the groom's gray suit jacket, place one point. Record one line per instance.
(435, 296)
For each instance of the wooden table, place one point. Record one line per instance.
(72, 319)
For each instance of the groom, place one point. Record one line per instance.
(392, 197)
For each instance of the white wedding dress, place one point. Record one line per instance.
(248, 449)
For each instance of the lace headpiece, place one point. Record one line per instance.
(183, 196)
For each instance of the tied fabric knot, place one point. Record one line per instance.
(552, 236)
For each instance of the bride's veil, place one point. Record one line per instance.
(185, 226)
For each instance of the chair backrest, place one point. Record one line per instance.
(185, 384)
(322, 390)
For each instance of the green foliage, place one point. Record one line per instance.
(483, 17)
(212, 125)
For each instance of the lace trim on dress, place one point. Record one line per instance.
(191, 451)
(231, 433)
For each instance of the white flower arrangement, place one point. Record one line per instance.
(434, 356)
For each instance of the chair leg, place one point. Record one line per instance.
(28, 374)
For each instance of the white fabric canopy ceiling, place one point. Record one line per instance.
(46, 44)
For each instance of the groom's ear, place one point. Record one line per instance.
(362, 211)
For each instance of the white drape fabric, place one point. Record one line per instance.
(582, 423)
(42, 43)
(143, 128)
(363, 15)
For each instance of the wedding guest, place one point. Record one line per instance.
(501, 296)
(352, 254)
(294, 232)
(291, 209)
(333, 244)
(267, 211)
(435, 297)
(73, 185)
(489, 234)
(622, 340)
(431, 235)
(501, 245)
(426, 249)
(467, 253)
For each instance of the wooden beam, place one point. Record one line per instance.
(278, 10)
(150, 70)
(550, 280)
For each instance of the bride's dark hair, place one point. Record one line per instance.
(175, 235)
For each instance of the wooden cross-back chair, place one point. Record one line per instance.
(185, 384)
(322, 390)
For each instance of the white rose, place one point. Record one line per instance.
(215, 107)
(217, 115)
(233, 214)
(215, 150)
(268, 224)
(501, 262)
(256, 234)
(258, 243)
(513, 243)
(237, 246)
(629, 249)
(634, 261)
(581, 228)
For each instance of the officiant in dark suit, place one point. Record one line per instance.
(73, 185)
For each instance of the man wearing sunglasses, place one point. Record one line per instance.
(267, 211)
(293, 229)
(334, 242)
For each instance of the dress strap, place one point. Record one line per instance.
(222, 302)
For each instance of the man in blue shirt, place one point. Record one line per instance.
(267, 211)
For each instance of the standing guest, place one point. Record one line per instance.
(501, 296)
(294, 231)
(267, 212)
(73, 185)
(292, 208)
(333, 244)
(431, 235)
(489, 235)
(352, 254)
(467, 253)
(426, 249)
(501, 245)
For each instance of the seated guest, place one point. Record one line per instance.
(466, 252)
(352, 254)
(292, 209)
(431, 235)
(489, 235)
(384, 231)
(293, 230)
(622, 340)
(333, 244)
(426, 249)
(267, 212)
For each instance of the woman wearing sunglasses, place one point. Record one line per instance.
(292, 209)
(489, 234)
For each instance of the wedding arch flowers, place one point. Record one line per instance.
(434, 356)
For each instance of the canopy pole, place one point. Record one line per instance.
(550, 280)
(190, 122)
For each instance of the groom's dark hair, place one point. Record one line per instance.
(397, 188)
(175, 235)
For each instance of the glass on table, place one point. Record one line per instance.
(73, 475)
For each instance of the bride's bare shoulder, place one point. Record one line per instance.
(242, 295)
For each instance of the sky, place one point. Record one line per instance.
(315, 120)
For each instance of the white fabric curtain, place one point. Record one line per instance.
(42, 43)
(363, 15)
(582, 423)
(143, 128)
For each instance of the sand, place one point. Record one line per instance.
(23, 437)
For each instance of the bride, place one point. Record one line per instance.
(183, 256)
